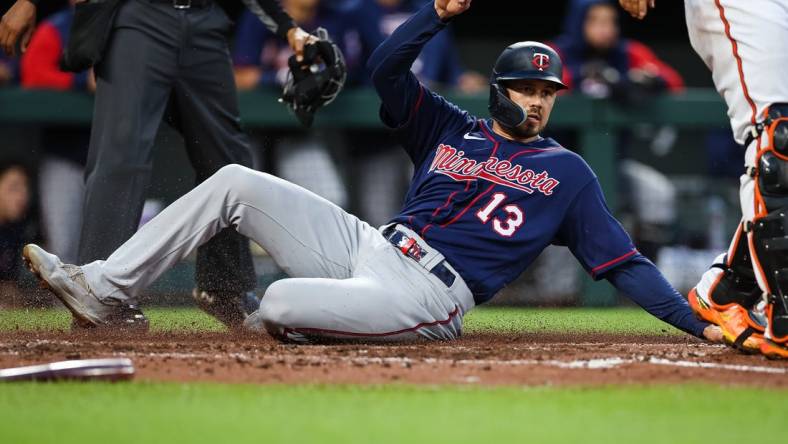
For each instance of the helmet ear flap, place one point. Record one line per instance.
(503, 109)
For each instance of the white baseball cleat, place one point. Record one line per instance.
(254, 322)
(68, 283)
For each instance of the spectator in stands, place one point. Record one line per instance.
(14, 200)
(61, 174)
(598, 62)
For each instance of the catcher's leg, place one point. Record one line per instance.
(768, 232)
(727, 295)
(306, 235)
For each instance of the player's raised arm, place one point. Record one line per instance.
(389, 65)
(420, 114)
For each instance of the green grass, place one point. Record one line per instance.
(146, 412)
(496, 319)
(161, 319)
(213, 413)
(562, 320)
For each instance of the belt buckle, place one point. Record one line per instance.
(181, 4)
(409, 247)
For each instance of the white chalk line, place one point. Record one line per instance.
(715, 365)
(591, 364)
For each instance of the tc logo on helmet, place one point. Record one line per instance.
(541, 61)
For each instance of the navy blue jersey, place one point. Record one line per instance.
(490, 205)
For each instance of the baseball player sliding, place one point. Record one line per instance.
(745, 291)
(487, 196)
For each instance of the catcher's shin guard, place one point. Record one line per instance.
(769, 230)
(736, 284)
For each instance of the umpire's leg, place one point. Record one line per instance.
(133, 84)
(206, 112)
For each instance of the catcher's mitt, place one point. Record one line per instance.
(316, 80)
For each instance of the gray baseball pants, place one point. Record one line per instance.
(346, 280)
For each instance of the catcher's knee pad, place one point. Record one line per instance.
(736, 284)
(769, 235)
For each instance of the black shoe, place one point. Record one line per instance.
(230, 308)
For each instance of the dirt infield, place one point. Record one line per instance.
(474, 359)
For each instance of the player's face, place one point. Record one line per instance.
(601, 27)
(536, 98)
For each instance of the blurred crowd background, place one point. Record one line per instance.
(677, 188)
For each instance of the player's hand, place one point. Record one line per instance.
(449, 8)
(18, 21)
(713, 333)
(298, 38)
(637, 8)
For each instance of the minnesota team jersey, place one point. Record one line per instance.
(490, 205)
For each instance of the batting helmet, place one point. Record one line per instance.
(522, 60)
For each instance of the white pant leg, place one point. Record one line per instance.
(62, 184)
(306, 235)
(759, 29)
(752, 77)
(390, 298)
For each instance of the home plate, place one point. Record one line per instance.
(115, 369)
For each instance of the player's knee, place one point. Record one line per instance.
(232, 178)
(231, 172)
(276, 311)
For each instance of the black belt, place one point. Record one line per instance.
(410, 248)
(185, 4)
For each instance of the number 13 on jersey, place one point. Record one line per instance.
(505, 228)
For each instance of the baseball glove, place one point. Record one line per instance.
(316, 80)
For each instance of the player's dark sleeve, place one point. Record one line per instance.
(418, 115)
(642, 282)
(605, 250)
(270, 12)
(593, 235)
